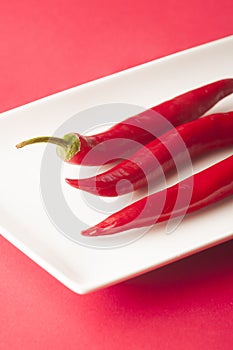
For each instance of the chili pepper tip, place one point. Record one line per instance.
(72, 182)
(90, 232)
(98, 231)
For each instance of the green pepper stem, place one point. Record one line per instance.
(68, 146)
(55, 140)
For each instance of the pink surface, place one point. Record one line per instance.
(48, 46)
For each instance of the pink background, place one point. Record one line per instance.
(50, 45)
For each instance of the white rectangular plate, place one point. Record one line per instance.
(23, 219)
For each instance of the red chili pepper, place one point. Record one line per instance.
(209, 186)
(197, 137)
(74, 147)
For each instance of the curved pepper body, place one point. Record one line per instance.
(181, 109)
(209, 186)
(149, 164)
(129, 135)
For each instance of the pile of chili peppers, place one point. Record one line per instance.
(198, 135)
